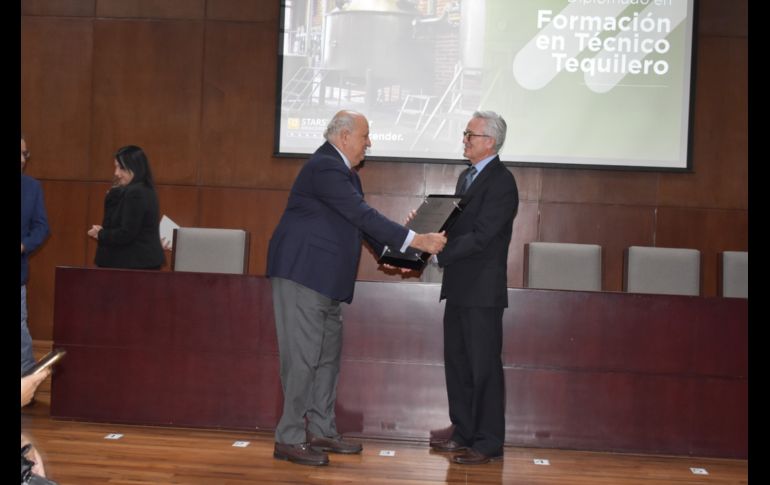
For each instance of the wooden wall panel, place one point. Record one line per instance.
(239, 106)
(391, 178)
(720, 146)
(395, 208)
(243, 10)
(600, 187)
(147, 92)
(529, 182)
(710, 231)
(279, 173)
(614, 227)
(95, 211)
(256, 211)
(56, 95)
(525, 230)
(723, 19)
(151, 9)
(441, 178)
(66, 205)
(181, 204)
(69, 8)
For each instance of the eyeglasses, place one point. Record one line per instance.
(26, 154)
(469, 134)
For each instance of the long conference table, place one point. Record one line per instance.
(603, 371)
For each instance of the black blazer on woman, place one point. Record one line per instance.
(130, 237)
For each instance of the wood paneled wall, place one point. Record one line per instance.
(193, 83)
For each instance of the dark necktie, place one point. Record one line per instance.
(468, 179)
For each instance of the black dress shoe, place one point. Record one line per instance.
(447, 445)
(335, 445)
(473, 457)
(301, 454)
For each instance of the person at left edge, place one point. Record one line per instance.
(34, 230)
(129, 236)
(29, 385)
(312, 263)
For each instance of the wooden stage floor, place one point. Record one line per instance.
(77, 453)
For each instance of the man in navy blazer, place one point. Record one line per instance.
(34, 230)
(312, 263)
(475, 288)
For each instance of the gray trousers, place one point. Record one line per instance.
(309, 330)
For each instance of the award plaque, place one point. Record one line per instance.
(436, 214)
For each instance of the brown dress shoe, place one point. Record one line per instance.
(473, 457)
(447, 445)
(301, 454)
(335, 445)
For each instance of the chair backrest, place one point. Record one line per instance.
(670, 271)
(208, 250)
(563, 266)
(734, 274)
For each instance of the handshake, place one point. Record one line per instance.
(425, 242)
(432, 242)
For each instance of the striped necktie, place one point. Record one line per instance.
(468, 179)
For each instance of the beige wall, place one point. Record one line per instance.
(193, 83)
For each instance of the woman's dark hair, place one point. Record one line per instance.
(132, 158)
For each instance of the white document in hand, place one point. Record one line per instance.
(167, 227)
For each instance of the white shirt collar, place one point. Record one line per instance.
(344, 158)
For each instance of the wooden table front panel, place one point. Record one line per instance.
(584, 370)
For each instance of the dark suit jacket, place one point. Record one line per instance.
(476, 254)
(317, 242)
(130, 236)
(34, 221)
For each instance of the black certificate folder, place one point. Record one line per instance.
(435, 214)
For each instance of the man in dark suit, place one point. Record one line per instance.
(475, 287)
(312, 264)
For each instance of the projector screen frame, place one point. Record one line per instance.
(688, 167)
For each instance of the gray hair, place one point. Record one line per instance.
(496, 127)
(343, 120)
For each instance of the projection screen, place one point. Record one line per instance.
(600, 83)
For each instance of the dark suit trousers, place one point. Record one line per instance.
(473, 341)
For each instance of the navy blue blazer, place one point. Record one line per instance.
(317, 242)
(34, 221)
(476, 254)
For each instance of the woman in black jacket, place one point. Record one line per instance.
(129, 236)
